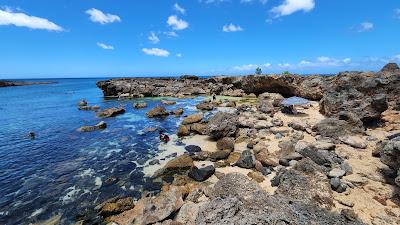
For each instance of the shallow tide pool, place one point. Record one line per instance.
(66, 172)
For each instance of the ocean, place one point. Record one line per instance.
(66, 172)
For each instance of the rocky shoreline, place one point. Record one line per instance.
(9, 83)
(335, 161)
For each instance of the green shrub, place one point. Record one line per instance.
(258, 71)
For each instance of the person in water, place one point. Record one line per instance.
(163, 137)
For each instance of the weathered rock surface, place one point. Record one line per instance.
(221, 125)
(179, 165)
(111, 112)
(158, 111)
(101, 125)
(237, 200)
(152, 210)
(246, 160)
(195, 118)
(115, 206)
(206, 105)
(226, 143)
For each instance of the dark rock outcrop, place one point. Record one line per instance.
(201, 174)
(221, 125)
(237, 200)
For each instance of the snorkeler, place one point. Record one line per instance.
(163, 137)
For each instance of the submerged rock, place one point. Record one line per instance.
(140, 105)
(111, 112)
(89, 108)
(177, 112)
(101, 125)
(82, 102)
(158, 111)
(207, 106)
(167, 102)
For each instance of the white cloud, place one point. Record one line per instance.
(291, 6)
(179, 55)
(179, 9)
(324, 61)
(249, 1)
(176, 23)
(98, 16)
(213, 1)
(347, 60)
(250, 67)
(153, 38)
(156, 52)
(365, 26)
(231, 28)
(8, 17)
(104, 46)
(171, 34)
(285, 65)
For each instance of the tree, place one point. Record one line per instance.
(286, 72)
(258, 71)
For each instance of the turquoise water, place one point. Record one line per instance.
(64, 171)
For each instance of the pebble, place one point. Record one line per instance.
(284, 162)
(335, 183)
(342, 188)
(336, 173)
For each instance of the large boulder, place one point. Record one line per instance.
(111, 112)
(183, 130)
(335, 128)
(221, 125)
(201, 174)
(265, 106)
(206, 105)
(179, 165)
(195, 118)
(306, 182)
(158, 111)
(389, 153)
(152, 210)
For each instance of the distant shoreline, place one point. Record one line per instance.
(10, 83)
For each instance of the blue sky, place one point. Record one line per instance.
(97, 38)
